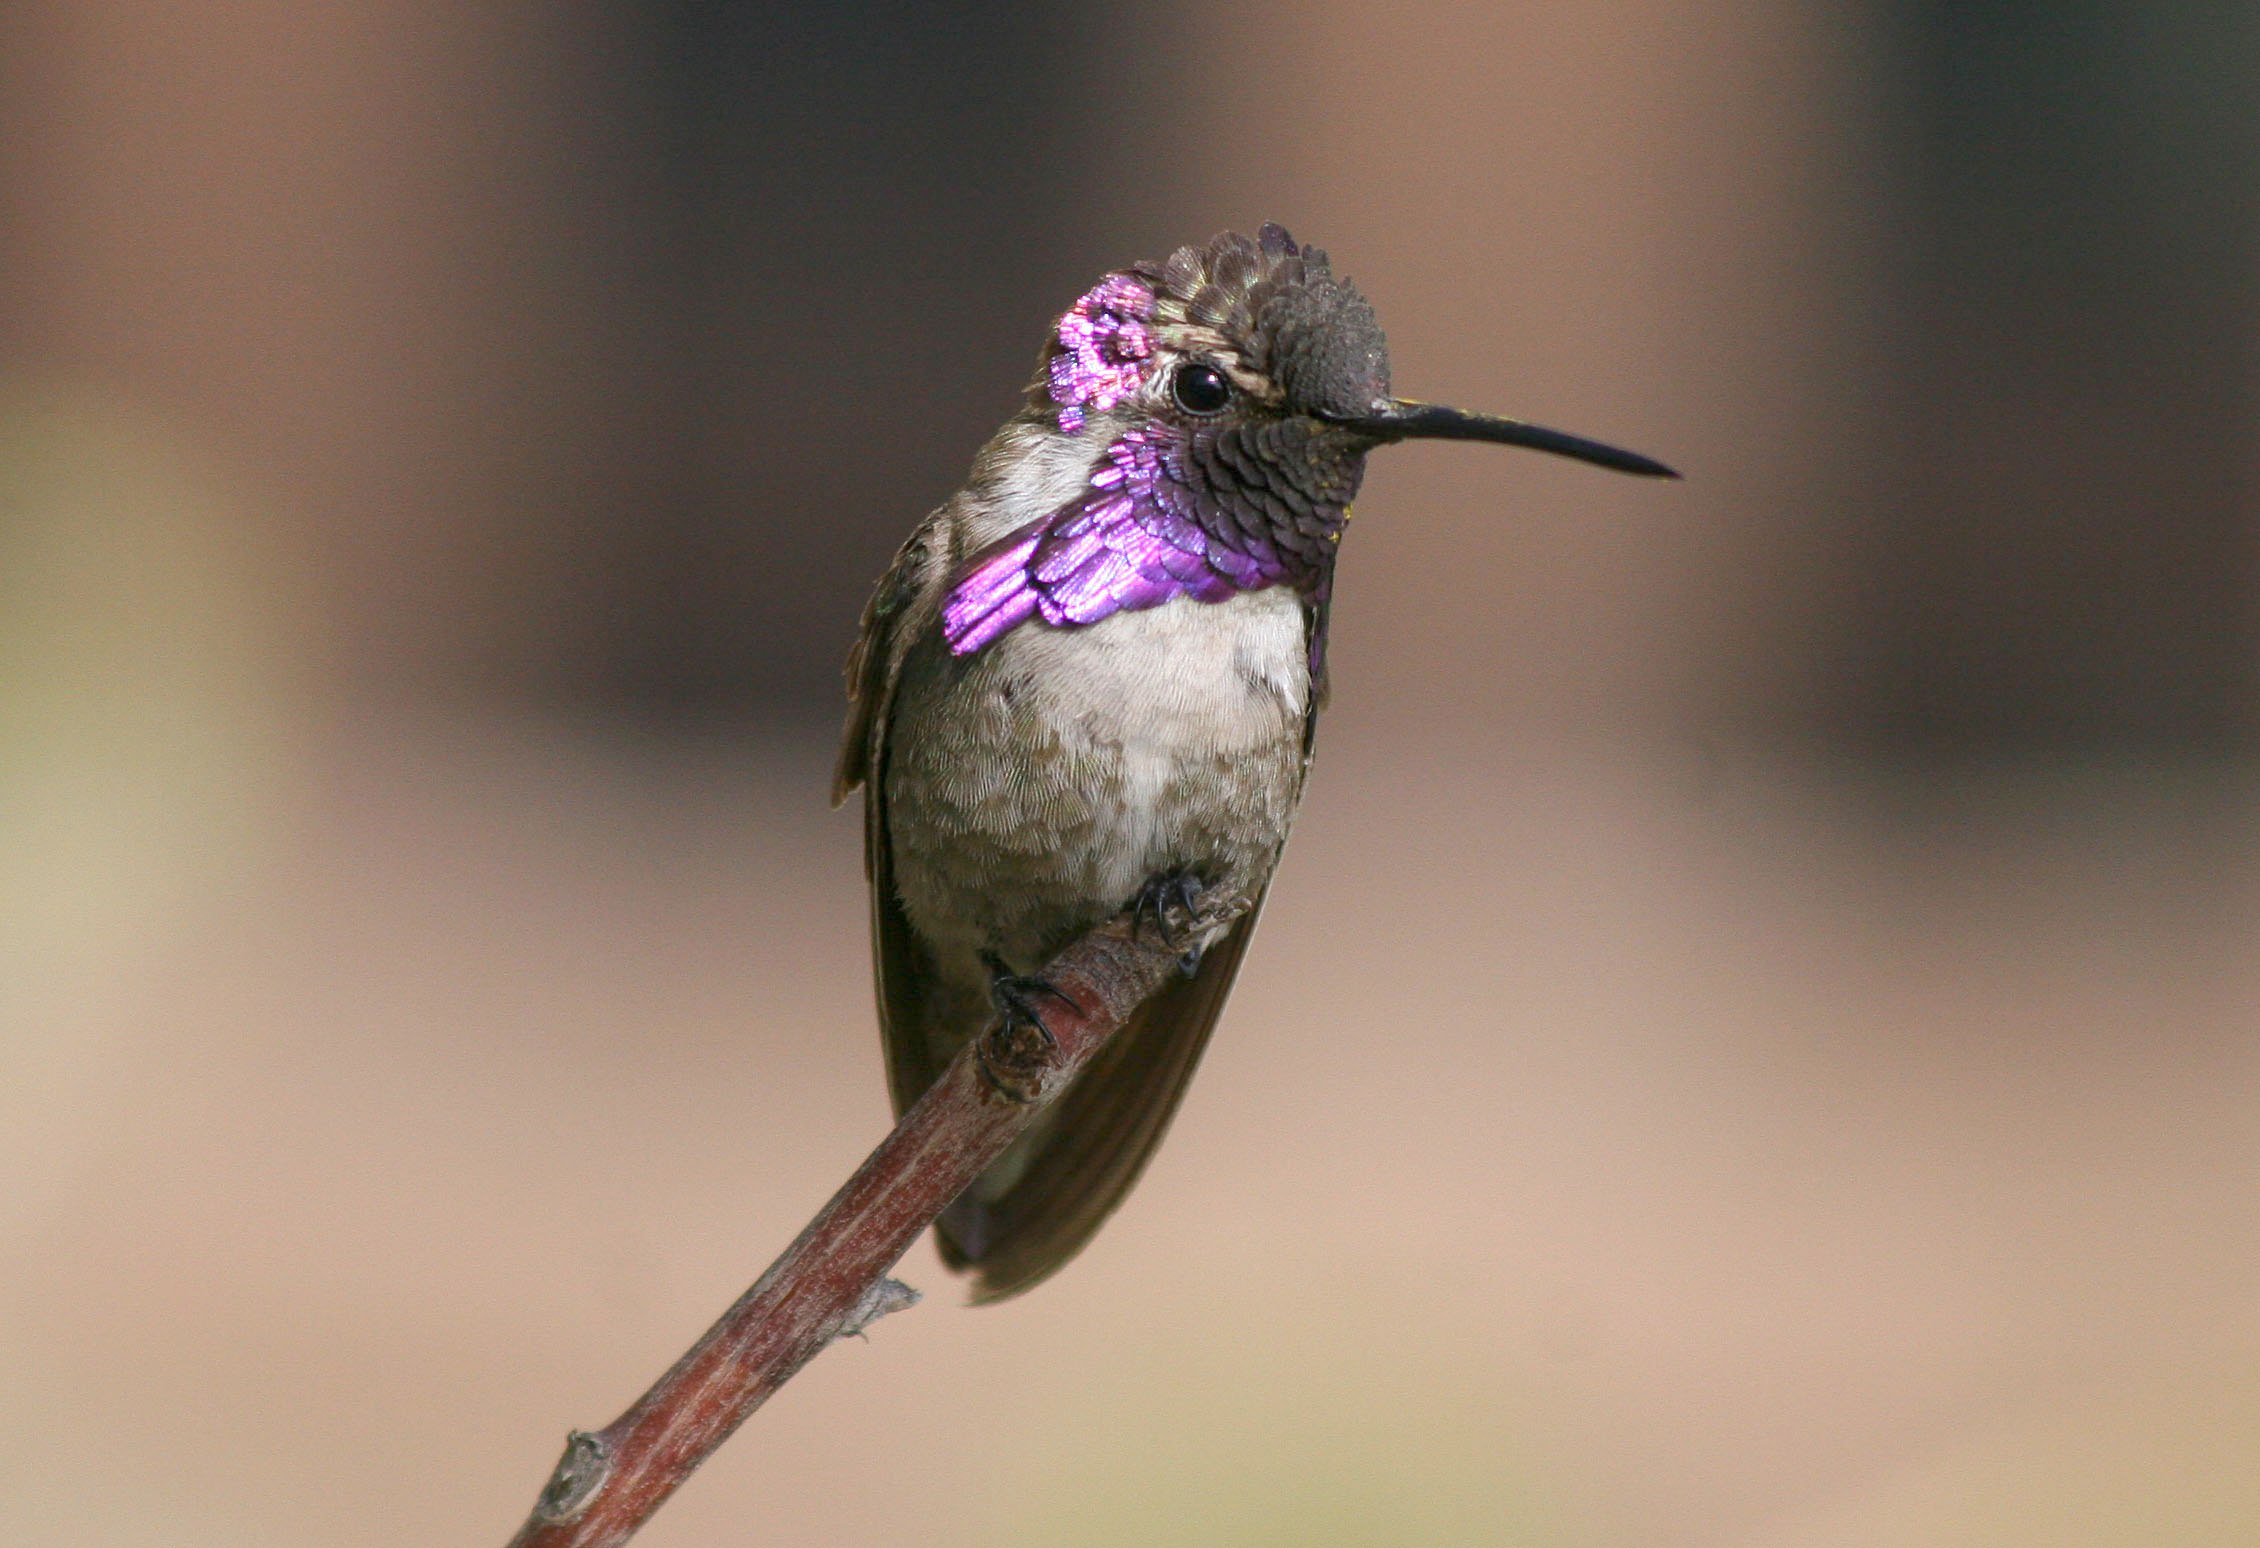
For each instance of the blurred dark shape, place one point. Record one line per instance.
(2058, 513)
(600, 356)
(856, 218)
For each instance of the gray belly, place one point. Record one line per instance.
(1033, 791)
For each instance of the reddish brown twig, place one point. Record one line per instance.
(832, 1281)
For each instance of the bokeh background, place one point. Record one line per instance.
(1757, 1040)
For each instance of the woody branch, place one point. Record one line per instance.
(833, 1280)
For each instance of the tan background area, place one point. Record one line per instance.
(1753, 1042)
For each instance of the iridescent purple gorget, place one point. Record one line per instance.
(1131, 543)
(1134, 541)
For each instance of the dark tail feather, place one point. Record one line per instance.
(1060, 1183)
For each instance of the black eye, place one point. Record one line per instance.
(1200, 388)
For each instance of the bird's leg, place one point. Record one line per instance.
(1164, 896)
(1021, 1041)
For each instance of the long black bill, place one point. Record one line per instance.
(1405, 420)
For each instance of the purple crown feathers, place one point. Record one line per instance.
(1105, 347)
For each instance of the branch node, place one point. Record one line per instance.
(587, 1459)
(1016, 1055)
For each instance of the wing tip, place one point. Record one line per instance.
(966, 1236)
(1109, 1123)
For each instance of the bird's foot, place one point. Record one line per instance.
(1015, 1051)
(1159, 903)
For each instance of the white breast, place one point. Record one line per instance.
(1178, 700)
(1042, 787)
(1186, 679)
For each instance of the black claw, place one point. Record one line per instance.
(1161, 896)
(1190, 963)
(1015, 996)
(1146, 908)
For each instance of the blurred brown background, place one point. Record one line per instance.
(1754, 1042)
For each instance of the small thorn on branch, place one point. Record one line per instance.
(586, 1461)
(882, 1299)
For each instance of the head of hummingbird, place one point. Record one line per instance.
(1229, 396)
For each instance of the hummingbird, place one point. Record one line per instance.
(1089, 683)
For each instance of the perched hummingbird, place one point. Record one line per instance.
(1089, 682)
